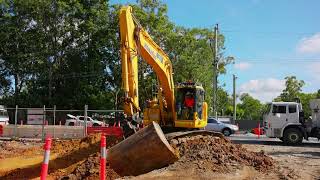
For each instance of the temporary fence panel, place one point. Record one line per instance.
(35, 131)
(108, 131)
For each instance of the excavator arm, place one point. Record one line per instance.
(148, 148)
(135, 41)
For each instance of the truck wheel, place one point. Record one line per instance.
(292, 136)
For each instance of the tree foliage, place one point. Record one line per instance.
(67, 52)
(292, 90)
(252, 108)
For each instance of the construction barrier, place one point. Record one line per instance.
(103, 157)
(259, 131)
(1, 130)
(45, 164)
(35, 131)
(108, 131)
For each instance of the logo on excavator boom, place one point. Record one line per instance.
(154, 54)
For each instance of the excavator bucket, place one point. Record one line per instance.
(148, 149)
(144, 151)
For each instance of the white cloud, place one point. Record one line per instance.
(243, 66)
(314, 70)
(310, 45)
(263, 89)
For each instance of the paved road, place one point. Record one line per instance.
(253, 139)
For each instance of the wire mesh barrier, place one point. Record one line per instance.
(60, 123)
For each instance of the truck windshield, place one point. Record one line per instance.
(4, 113)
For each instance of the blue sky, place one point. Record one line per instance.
(270, 40)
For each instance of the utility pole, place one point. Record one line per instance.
(215, 71)
(234, 99)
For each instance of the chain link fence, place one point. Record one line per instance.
(57, 123)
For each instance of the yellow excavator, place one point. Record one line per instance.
(182, 106)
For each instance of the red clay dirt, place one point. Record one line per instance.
(10, 149)
(69, 154)
(89, 169)
(79, 159)
(207, 153)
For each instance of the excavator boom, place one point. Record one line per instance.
(136, 41)
(149, 149)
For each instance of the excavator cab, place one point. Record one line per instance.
(190, 106)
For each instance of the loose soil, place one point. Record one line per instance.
(201, 157)
(65, 155)
(207, 153)
(293, 162)
(10, 149)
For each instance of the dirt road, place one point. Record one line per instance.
(302, 162)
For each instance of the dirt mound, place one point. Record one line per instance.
(205, 152)
(92, 141)
(10, 149)
(70, 154)
(89, 169)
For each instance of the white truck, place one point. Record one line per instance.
(4, 118)
(286, 121)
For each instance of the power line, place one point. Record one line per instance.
(271, 32)
(276, 59)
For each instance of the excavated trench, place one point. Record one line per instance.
(79, 159)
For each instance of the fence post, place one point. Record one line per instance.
(16, 121)
(85, 119)
(259, 130)
(54, 121)
(45, 164)
(103, 157)
(43, 121)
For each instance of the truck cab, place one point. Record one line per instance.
(4, 118)
(285, 120)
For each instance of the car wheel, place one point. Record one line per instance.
(226, 132)
(292, 136)
(71, 124)
(95, 124)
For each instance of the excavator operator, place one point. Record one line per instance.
(189, 102)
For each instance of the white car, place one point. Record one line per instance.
(79, 121)
(218, 126)
(4, 118)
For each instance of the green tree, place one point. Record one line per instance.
(251, 107)
(66, 52)
(292, 90)
(318, 94)
(187, 48)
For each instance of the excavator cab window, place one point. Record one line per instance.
(200, 99)
(188, 101)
